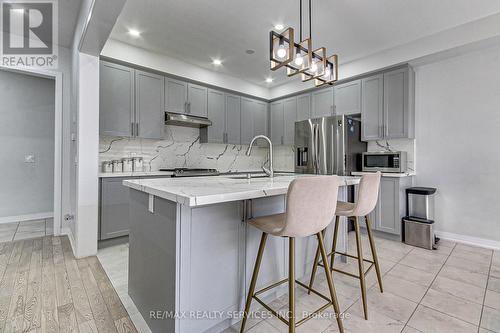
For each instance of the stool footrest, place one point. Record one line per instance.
(280, 317)
(372, 263)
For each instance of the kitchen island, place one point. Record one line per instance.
(191, 252)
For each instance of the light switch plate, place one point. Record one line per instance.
(30, 158)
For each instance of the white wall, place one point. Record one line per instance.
(141, 57)
(457, 142)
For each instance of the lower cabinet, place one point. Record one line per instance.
(114, 220)
(391, 205)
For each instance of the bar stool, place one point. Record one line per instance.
(310, 207)
(367, 199)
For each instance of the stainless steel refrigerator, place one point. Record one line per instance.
(328, 145)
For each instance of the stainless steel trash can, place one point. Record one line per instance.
(418, 225)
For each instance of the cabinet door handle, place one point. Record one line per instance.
(282, 140)
(132, 128)
(136, 129)
(189, 107)
(185, 107)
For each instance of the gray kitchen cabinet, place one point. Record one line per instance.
(391, 205)
(197, 100)
(149, 99)
(348, 98)
(303, 107)
(114, 220)
(398, 104)
(290, 116)
(217, 114)
(387, 107)
(114, 212)
(116, 100)
(372, 114)
(176, 93)
(233, 119)
(322, 103)
(277, 122)
(260, 118)
(253, 119)
(247, 123)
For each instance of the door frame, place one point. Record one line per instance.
(58, 135)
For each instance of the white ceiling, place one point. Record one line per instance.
(197, 31)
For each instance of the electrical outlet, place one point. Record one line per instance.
(30, 158)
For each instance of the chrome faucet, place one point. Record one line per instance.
(269, 172)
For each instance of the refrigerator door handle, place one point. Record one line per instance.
(316, 148)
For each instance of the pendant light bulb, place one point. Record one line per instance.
(299, 60)
(314, 67)
(327, 73)
(281, 52)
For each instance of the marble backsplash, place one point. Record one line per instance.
(407, 145)
(182, 148)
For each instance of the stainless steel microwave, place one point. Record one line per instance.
(385, 161)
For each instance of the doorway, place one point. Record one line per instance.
(29, 154)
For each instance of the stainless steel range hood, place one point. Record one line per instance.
(186, 120)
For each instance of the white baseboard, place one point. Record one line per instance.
(27, 217)
(475, 241)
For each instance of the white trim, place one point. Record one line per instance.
(469, 240)
(58, 135)
(27, 217)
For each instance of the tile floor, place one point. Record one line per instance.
(454, 289)
(25, 230)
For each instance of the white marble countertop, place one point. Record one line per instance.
(385, 174)
(135, 174)
(199, 191)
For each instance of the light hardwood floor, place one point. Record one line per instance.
(45, 289)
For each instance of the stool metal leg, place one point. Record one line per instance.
(253, 282)
(329, 279)
(374, 253)
(291, 285)
(361, 266)
(335, 236)
(315, 267)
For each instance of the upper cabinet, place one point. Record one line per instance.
(388, 105)
(116, 100)
(372, 115)
(348, 98)
(253, 119)
(197, 100)
(303, 107)
(399, 104)
(175, 96)
(149, 115)
(224, 112)
(216, 114)
(131, 102)
(186, 98)
(290, 116)
(233, 119)
(322, 103)
(277, 123)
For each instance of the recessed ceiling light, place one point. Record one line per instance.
(269, 80)
(217, 62)
(279, 27)
(134, 32)
(250, 51)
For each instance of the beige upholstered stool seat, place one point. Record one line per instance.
(271, 224)
(345, 208)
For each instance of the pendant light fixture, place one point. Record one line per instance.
(300, 58)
